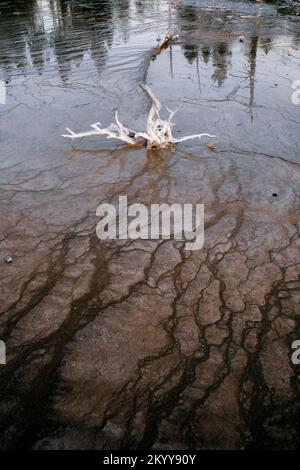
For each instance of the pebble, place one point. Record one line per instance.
(8, 259)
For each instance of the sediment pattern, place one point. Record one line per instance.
(143, 344)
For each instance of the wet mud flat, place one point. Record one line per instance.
(143, 344)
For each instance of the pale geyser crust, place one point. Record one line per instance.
(158, 133)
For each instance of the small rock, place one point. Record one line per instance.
(8, 259)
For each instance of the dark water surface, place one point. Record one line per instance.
(142, 343)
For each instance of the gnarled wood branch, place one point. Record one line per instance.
(158, 133)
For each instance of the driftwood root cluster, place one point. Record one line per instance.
(158, 131)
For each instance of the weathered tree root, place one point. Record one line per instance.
(158, 133)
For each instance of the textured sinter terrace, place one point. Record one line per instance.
(128, 344)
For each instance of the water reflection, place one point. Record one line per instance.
(55, 31)
(63, 35)
(63, 284)
(209, 35)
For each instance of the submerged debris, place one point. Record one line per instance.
(213, 146)
(158, 132)
(168, 38)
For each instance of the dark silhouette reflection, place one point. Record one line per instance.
(221, 60)
(190, 52)
(252, 70)
(296, 40)
(64, 35)
(208, 35)
(35, 33)
(81, 27)
(197, 24)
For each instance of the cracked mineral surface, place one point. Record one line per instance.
(143, 344)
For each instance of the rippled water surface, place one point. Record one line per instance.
(142, 343)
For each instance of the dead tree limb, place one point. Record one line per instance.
(158, 132)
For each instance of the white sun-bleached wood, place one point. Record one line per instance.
(158, 131)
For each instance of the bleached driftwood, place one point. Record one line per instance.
(158, 132)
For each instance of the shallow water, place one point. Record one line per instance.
(141, 343)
